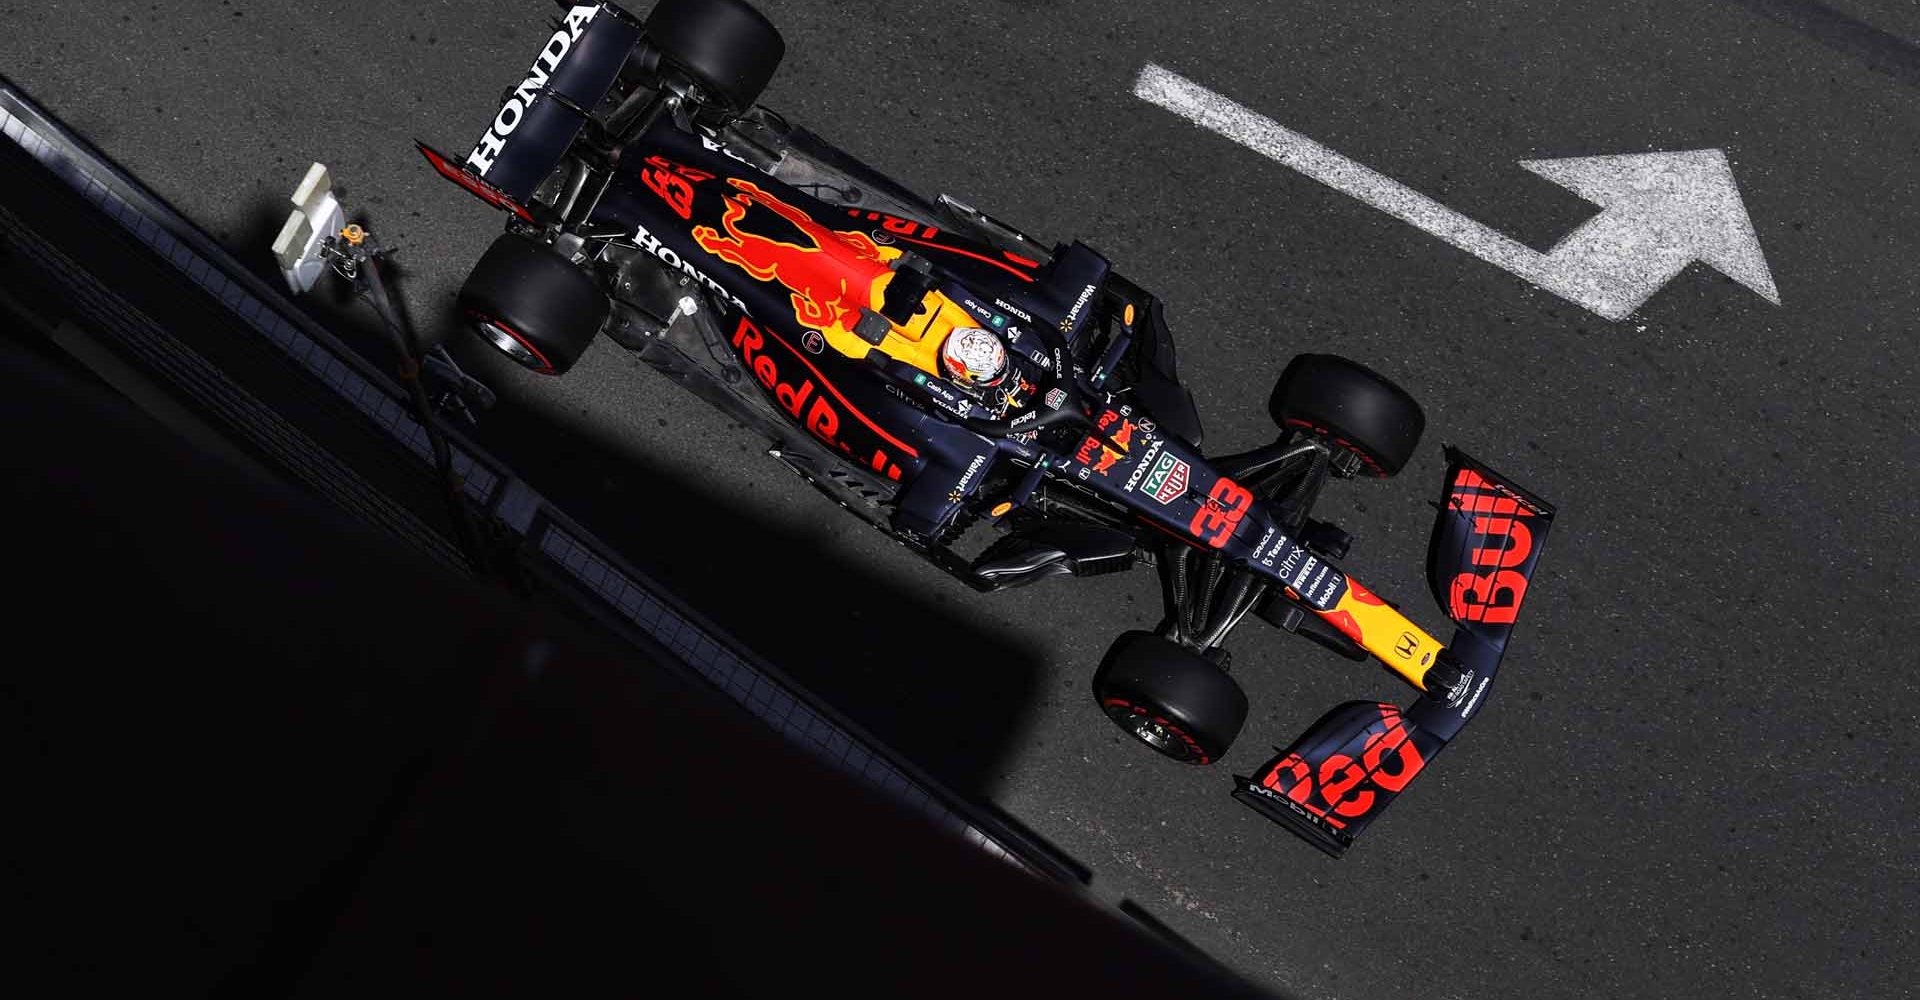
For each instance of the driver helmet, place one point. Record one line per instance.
(974, 358)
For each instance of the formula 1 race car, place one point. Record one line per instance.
(1008, 410)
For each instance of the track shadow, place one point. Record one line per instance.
(884, 656)
(887, 657)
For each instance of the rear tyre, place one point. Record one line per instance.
(728, 48)
(533, 305)
(1354, 406)
(1170, 698)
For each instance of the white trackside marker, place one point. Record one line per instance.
(1659, 211)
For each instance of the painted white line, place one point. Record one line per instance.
(1659, 211)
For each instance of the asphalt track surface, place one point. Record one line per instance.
(1692, 779)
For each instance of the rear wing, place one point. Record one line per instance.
(1344, 771)
(544, 112)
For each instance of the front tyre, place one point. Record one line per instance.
(1170, 698)
(1355, 407)
(533, 305)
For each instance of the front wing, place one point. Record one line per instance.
(1345, 770)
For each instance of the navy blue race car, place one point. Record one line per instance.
(1009, 410)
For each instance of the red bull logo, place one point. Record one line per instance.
(1096, 453)
(1492, 595)
(1343, 787)
(832, 275)
(805, 394)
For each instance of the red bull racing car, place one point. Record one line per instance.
(1007, 409)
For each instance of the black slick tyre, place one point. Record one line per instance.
(1353, 406)
(1170, 698)
(729, 49)
(533, 305)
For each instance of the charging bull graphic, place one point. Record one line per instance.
(835, 277)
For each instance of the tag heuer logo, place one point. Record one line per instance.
(1168, 480)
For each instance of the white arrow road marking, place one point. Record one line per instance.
(1659, 212)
